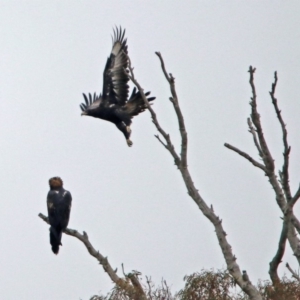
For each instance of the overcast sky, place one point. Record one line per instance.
(132, 201)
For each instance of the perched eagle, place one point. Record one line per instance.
(113, 104)
(59, 206)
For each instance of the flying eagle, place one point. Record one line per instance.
(113, 104)
(59, 206)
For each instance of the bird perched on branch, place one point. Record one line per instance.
(113, 104)
(59, 206)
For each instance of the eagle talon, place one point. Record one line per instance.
(129, 143)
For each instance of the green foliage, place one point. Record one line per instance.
(211, 285)
(287, 289)
(115, 294)
(208, 285)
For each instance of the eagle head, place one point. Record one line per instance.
(55, 182)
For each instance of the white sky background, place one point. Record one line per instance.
(132, 201)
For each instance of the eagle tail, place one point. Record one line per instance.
(136, 104)
(55, 239)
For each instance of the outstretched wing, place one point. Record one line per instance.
(115, 78)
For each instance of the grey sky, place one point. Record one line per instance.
(131, 201)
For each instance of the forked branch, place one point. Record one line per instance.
(168, 145)
(174, 100)
(133, 291)
(294, 274)
(282, 188)
(255, 117)
(181, 163)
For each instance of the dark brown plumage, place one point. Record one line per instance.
(59, 207)
(113, 104)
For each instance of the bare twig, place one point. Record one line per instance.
(169, 146)
(294, 274)
(247, 156)
(254, 134)
(132, 291)
(181, 163)
(285, 172)
(149, 292)
(159, 139)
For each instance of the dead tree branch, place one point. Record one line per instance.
(247, 156)
(284, 174)
(174, 100)
(181, 163)
(281, 187)
(133, 291)
(279, 254)
(254, 134)
(255, 117)
(168, 145)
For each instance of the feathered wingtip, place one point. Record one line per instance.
(136, 104)
(119, 35)
(88, 101)
(136, 94)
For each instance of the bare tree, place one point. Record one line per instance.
(281, 186)
(130, 286)
(181, 163)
